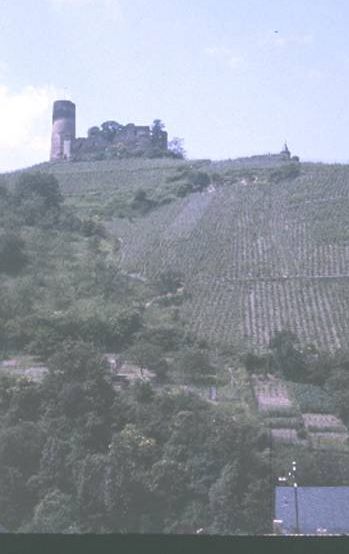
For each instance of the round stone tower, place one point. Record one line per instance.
(63, 129)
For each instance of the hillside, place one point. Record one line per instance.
(135, 316)
(260, 250)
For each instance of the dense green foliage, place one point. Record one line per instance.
(76, 455)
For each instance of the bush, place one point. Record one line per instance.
(200, 180)
(254, 363)
(12, 256)
(168, 337)
(140, 195)
(141, 203)
(183, 189)
(39, 184)
(195, 365)
(289, 171)
(90, 228)
(37, 200)
(193, 181)
(170, 281)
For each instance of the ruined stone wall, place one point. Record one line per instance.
(111, 137)
(131, 138)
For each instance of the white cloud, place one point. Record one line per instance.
(227, 55)
(25, 125)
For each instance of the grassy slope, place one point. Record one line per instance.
(257, 256)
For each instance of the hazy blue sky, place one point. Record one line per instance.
(215, 71)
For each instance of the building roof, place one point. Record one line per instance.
(319, 508)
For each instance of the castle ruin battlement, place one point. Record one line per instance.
(110, 137)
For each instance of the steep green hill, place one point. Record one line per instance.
(261, 249)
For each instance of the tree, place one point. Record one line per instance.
(140, 195)
(141, 203)
(109, 129)
(92, 492)
(37, 200)
(12, 256)
(157, 130)
(287, 358)
(72, 400)
(170, 485)
(199, 180)
(338, 383)
(93, 132)
(132, 455)
(25, 401)
(224, 502)
(13, 496)
(195, 364)
(90, 227)
(318, 365)
(56, 513)
(175, 146)
(167, 337)
(77, 361)
(53, 464)
(170, 281)
(20, 446)
(256, 506)
(149, 356)
(42, 185)
(255, 363)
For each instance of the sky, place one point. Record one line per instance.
(230, 77)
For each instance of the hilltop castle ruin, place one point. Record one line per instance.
(110, 139)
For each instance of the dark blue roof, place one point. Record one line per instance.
(318, 507)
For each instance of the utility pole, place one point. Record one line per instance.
(293, 479)
(295, 488)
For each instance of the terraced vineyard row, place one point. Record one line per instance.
(251, 265)
(311, 309)
(257, 255)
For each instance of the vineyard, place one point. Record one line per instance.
(257, 254)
